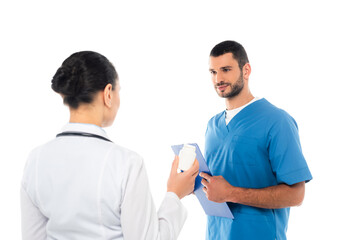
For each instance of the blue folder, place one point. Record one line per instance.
(210, 208)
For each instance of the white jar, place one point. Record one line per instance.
(187, 157)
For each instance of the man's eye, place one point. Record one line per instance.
(212, 72)
(226, 70)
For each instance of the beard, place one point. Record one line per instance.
(235, 88)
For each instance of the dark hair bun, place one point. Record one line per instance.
(81, 76)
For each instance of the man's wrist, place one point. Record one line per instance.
(233, 194)
(230, 196)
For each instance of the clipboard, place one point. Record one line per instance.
(211, 208)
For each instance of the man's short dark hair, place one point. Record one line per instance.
(237, 50)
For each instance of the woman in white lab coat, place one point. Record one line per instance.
(80, 185)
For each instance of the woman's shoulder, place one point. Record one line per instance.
(123, 154)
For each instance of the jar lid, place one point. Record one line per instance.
(190, 147)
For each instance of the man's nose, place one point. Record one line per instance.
(219, 78)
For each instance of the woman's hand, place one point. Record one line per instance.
(182, 183)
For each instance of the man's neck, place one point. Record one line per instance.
(239, 100)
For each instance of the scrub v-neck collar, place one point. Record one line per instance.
(234, 121)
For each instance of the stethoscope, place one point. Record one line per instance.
(82, 134)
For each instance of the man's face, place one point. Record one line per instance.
(226, 75)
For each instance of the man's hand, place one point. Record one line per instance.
(216, 188)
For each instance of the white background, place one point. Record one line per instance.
(304, 58)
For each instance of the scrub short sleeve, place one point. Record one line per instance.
(285, 153)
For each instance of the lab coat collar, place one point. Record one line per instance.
(84, 127)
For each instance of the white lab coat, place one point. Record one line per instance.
(77, 187)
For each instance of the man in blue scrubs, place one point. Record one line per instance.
(254, 153)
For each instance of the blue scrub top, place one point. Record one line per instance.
(260, 147)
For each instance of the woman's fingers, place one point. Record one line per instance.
(175, 165)
(194, 169)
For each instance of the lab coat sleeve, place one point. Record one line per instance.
(139, 219)
(33, 222)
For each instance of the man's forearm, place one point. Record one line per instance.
(279, 196)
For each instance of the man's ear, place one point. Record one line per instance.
(108, 95)
(246, 71)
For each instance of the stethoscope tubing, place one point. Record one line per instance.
(82, 134)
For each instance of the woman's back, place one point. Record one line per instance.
(79, 182)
